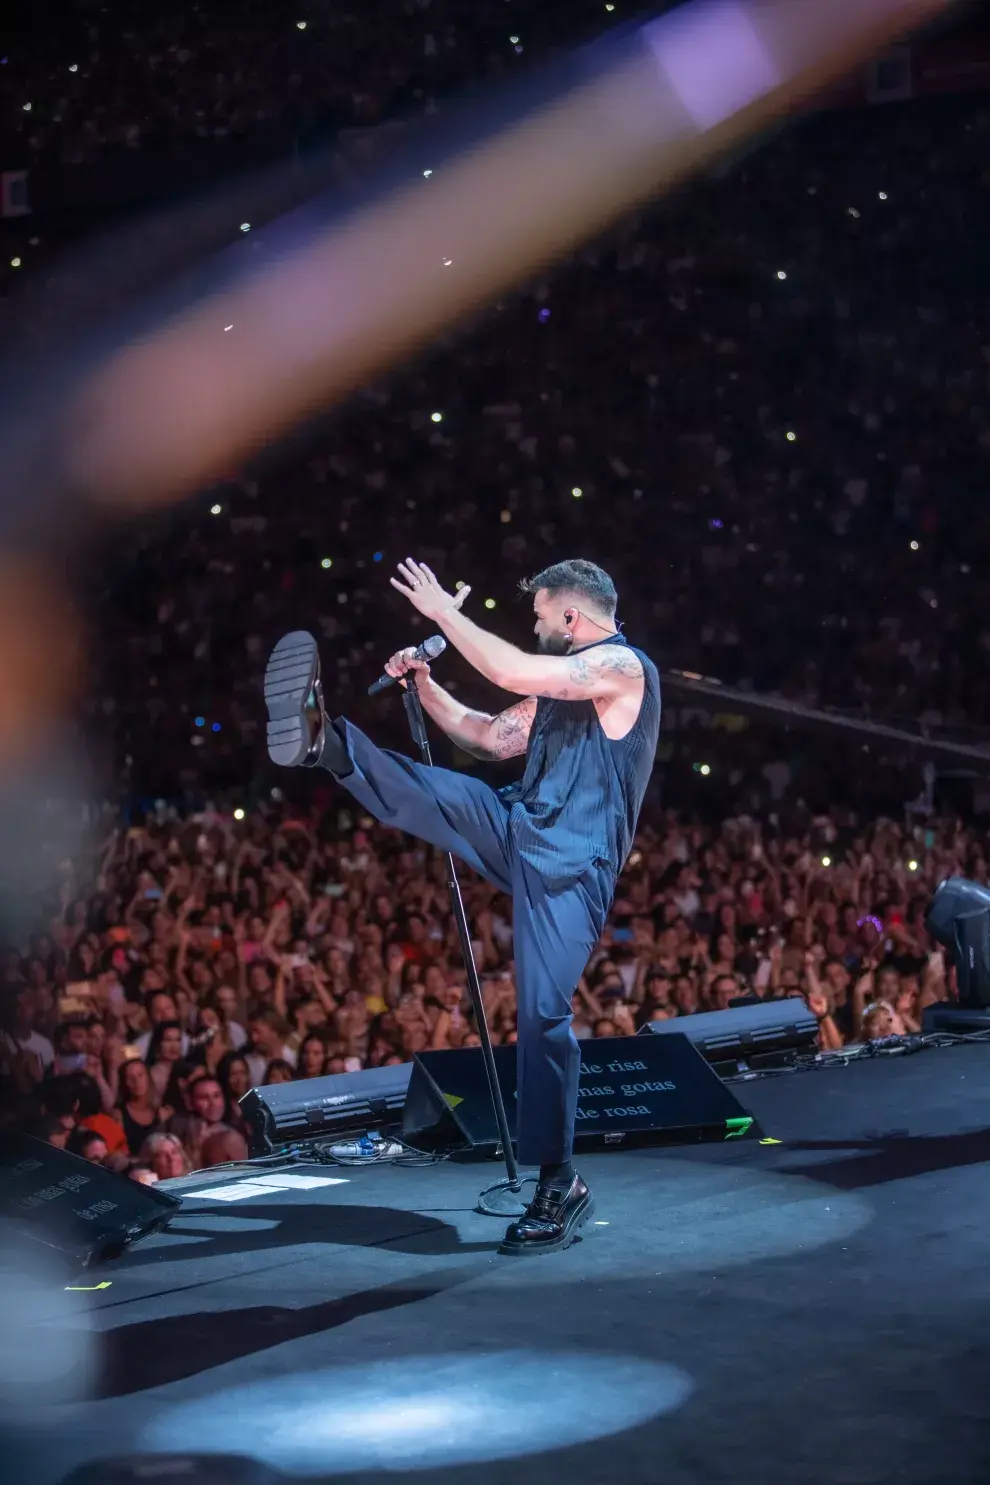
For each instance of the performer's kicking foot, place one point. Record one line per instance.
(552, 1220)
(299, 732)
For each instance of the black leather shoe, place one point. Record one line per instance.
(552, 1220)
(297, 723)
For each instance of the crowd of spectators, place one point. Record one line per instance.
(762, 406)
(89, 78)
(191, 959)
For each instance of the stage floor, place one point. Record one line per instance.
(761, 1314)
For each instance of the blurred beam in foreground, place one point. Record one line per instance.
(650, 106)
(711, 696)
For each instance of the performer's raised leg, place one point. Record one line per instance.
(452, 811)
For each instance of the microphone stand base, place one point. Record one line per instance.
(502, 1199)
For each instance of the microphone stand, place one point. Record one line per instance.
(417, 726)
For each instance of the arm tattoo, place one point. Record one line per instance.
(474, 749)
(509, 732)
(586, 671)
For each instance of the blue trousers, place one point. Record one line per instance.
(553, 933)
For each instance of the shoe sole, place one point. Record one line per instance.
(290, 676)
(529, 1250)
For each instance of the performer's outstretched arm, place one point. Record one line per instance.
(600, 675)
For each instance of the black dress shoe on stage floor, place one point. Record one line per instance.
(297, 723)
(551, 1222)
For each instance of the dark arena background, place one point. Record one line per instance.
(290, 295)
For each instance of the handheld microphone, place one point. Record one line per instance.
(428, 650)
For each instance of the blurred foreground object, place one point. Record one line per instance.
(48, 1354)
(39, 658)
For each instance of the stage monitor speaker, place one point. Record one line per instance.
(959, 1020)
(631, 1092)
(283, 1114)
(71, 1205)
(760, 1034)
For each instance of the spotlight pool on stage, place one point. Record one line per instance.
(424, 1412)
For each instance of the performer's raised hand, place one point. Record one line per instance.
(424, 592)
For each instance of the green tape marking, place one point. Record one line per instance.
(736, 1128)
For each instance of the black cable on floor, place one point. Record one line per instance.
(888, 1046)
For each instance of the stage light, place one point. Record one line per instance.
(577, 492)
(514, 39)
(215, 510)
(73, 67)
(610, 7)
(505, 517)
(436, 417)
(200, 721)
(447, 262)
(377, 557)
(226, 328)
(883, 195)
(543, 316)
(853, 212)
(215, 727)
(300, 25)
(489, 603)
(27, 107)
(791, 436)
(826, 861)
(912, 866)
(781, 274)
(427, 174)
(238, 814)
(959, 919)
(326, 562)
(458, 585)
(15, 262)
(245, 226)
(915, 546)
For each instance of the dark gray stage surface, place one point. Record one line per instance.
(760, 1314)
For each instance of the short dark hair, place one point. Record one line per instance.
(80, 1140)
(72, 1093)
(205, 1077)
(268, 1016)
(576, 576)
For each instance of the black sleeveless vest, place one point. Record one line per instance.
(579, 798)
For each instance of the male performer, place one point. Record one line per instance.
(556, 840)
